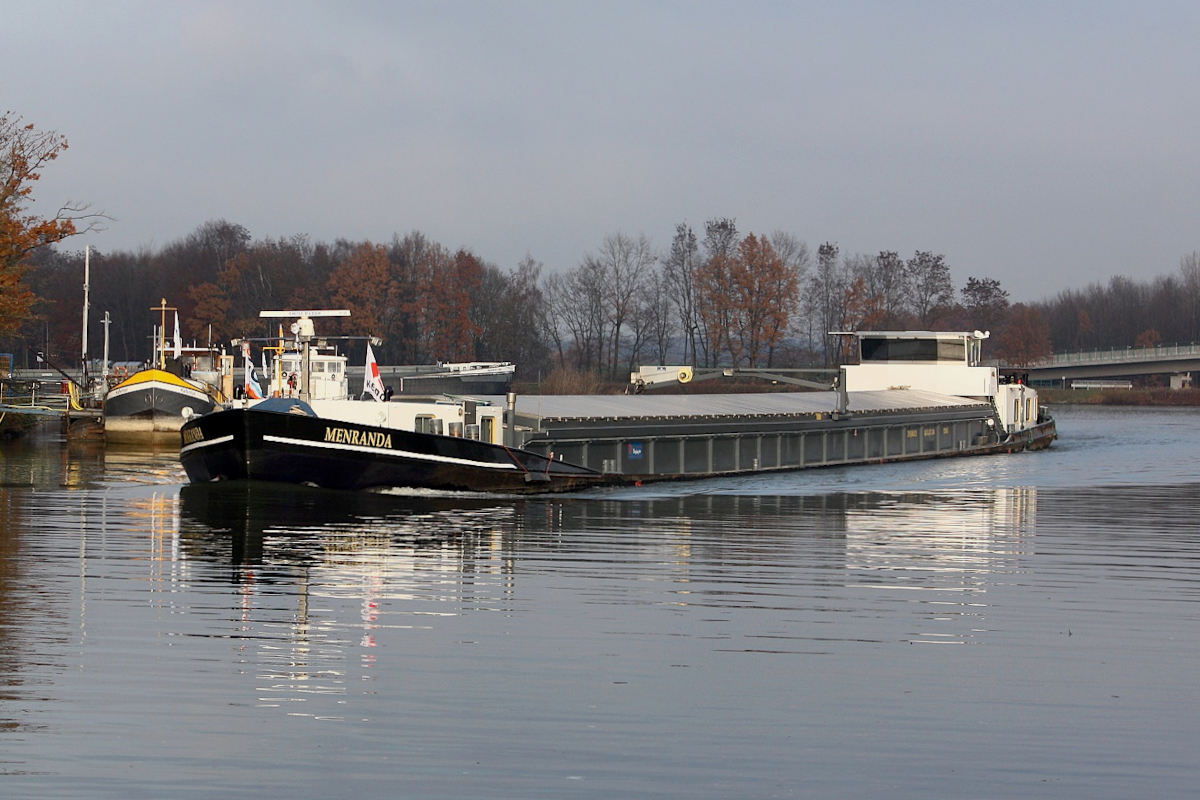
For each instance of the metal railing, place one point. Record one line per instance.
(34, 396)
(1115, 355)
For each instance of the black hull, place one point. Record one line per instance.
(246, 444)
(1038, 437)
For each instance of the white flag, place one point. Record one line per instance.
(178, 339)
(372, 383)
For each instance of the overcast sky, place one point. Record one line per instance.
(1045, 144)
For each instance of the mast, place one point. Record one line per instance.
(87, 275)
(162, 332)
(107, 321)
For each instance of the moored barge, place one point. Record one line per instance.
(177, 383)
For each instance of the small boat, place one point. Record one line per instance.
(153, 402)
(913, 395)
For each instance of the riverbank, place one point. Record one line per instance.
(1122, 397)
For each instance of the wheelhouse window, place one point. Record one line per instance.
(427, 423)
(879, 348)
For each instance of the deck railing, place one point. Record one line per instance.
(35, 396)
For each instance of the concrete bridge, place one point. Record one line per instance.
(1127, 362)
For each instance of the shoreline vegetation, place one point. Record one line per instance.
(1154, 396)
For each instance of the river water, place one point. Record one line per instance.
(1008, 626)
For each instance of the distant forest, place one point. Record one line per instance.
(714, 297)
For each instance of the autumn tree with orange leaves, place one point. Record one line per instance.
(266, 275)
(863, 311)
(747, 296)
(445, 284)
(363, 285)
(24, 153)
(773, 289)
(1025, 338)
(415, 294)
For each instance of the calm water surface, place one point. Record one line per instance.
(1010, 626)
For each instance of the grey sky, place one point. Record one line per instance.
(1048, 145)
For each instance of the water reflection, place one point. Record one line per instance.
(132, 463)
(248, 523)
(31, 626)
(874, 537)
(946, 541)
(322, 576)
(47, 459)
(455, 643)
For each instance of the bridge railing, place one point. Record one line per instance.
(1122, 355)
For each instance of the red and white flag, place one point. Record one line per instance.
(372, 383)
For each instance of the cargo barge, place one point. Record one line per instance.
(914, 395)
(706, 435)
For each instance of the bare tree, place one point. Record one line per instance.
(679, 275)
(575, 303)
(887, 280)
(656, 318)
(557, 325)
(828, 292)
(984, 302)
(930, 287)
(793, 252)
(798, 259)
(623, 263)
(509, 312)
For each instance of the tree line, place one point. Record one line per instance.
(1127, 313)
(427, 302)
(712, 297)
(717, 299)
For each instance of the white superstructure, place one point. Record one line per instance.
(936, 362)
(942, 362)
(327, 379)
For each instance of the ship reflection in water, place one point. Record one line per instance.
(326, 577)
(322, 573)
